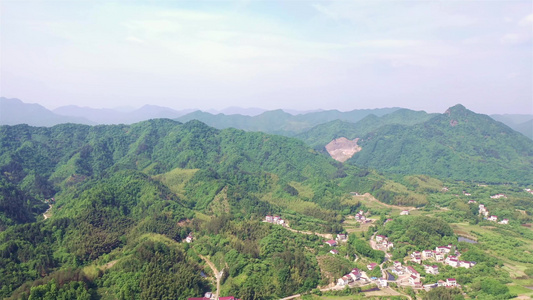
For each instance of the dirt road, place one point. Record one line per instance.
(371, 198)
(47, 214)
(324, 235)
(218, 275)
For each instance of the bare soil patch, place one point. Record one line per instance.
(342, 149)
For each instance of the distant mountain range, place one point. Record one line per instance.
(14, 111)
(520, 123)
(112, 116)
(285, 122)
(281, 122)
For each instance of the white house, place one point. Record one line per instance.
(397, 264)
(414, 280)
(453, 263)
(432, 269)
(439, 256)
(342, 237)
(451, 282)
(189, 238)
(404, 213)
(427, 253)
(464, 264)
(344, 280)
(382, 282)
(493, 218)
(443, 249)
(504, 221)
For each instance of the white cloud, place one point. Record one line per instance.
(516, 38)
(389, 43)
(134, 40)
(527, 21)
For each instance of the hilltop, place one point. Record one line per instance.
(458, 144)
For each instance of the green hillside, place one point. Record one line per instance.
(458, 144)
(521, 123)
(320, 135)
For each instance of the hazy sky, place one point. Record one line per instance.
(424, 55)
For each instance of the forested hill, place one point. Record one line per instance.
(154, 146)
(40, 161)
(458, 144)
(320, 135)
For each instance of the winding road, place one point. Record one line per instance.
(218, 275)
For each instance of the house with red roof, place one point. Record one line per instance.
(332, 243)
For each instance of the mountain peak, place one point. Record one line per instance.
(456, 108)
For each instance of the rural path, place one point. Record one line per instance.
(47, 214)
(373, 199)
(386, 291)
(324, 235)
(218, 275)
(291, 297)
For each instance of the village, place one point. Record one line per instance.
(406, 275)
(400, 273)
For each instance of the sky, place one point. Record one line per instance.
(345, 55)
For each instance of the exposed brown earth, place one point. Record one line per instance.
(342, 149)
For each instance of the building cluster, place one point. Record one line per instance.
(414, 276)
(497, 196)
(332, 243)
(275, 220)
(351, 277)
(361, 217)
(383, 243)
(450, 282)
(485, 212)
(342, 237)
(441, 254)
(50, 201)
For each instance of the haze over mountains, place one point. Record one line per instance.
(284, 122)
